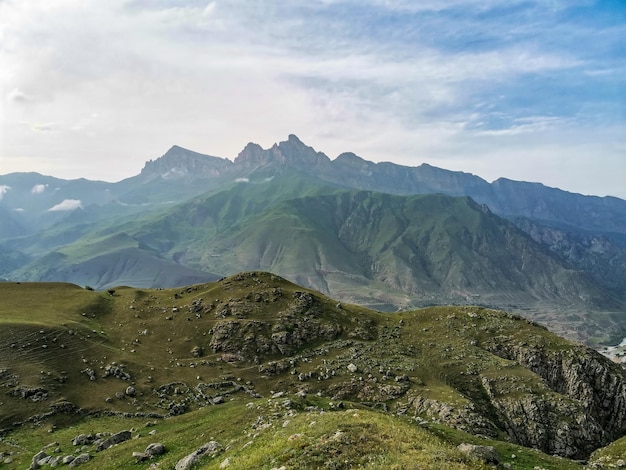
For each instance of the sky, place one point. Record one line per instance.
(528, 90)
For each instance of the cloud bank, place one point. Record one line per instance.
(524, 89)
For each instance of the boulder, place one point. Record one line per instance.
(188, 461)
(79, 460)
(487, 454)
(113, 440)
(83, 439)
(155, 449)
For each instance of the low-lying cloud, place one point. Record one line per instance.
(39, 188)
(67, 205)
(3, 190)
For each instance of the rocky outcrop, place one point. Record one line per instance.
(584, 406)
(465, 417)
(300, 324)
(549, 422)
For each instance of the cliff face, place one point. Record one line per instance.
(584, 406)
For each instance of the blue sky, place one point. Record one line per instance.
(528, 90)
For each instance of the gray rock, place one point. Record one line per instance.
(186, 462)
(130, 391)
(140, 456)
(155, 449)
(68, 459)
(487, 454)
(37, 458)
(113, 440)
(352, 368)
(83, 439)
(79, 460)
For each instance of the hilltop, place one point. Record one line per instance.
(279, 375)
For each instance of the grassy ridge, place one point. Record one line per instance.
(268, 434)
(361, 247)
(245, 339)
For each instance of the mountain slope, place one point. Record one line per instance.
(370, 248)
(430, 248)
(112, 261)
(273, 372)
(584, 238)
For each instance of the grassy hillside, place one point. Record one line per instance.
(282, 376)
(374, 249)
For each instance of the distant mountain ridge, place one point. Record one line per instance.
(284, 209)
(504, 197)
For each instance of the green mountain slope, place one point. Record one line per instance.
(111, 261)
(384, 251)
(278, 375)
(372, 248)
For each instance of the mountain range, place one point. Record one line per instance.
(378, 234)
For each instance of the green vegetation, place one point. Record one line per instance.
(282, 376)
(373, 249)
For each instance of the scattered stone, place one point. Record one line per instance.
(114, 440)
(352, 368)
(83, 439)
(130, 391)
(113, 370)
(487, 454)
(68, 459)
(79, 460)
(140, 456)
(38, 460)
(155, 449)
(225, 463)
(186, 462)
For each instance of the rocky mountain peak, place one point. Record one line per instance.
(251, 155)
(292, 152)
(295, 151)
(179, 162)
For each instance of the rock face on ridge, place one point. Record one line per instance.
(595, 385)
(180, 163)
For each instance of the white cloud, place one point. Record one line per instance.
(39, 188)
(18, 209)
(67, 205)
(3, 190)
(121, 81)
(242, 180)
(17, 95)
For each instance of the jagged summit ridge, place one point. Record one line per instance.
(179, 162)
(292, 152)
